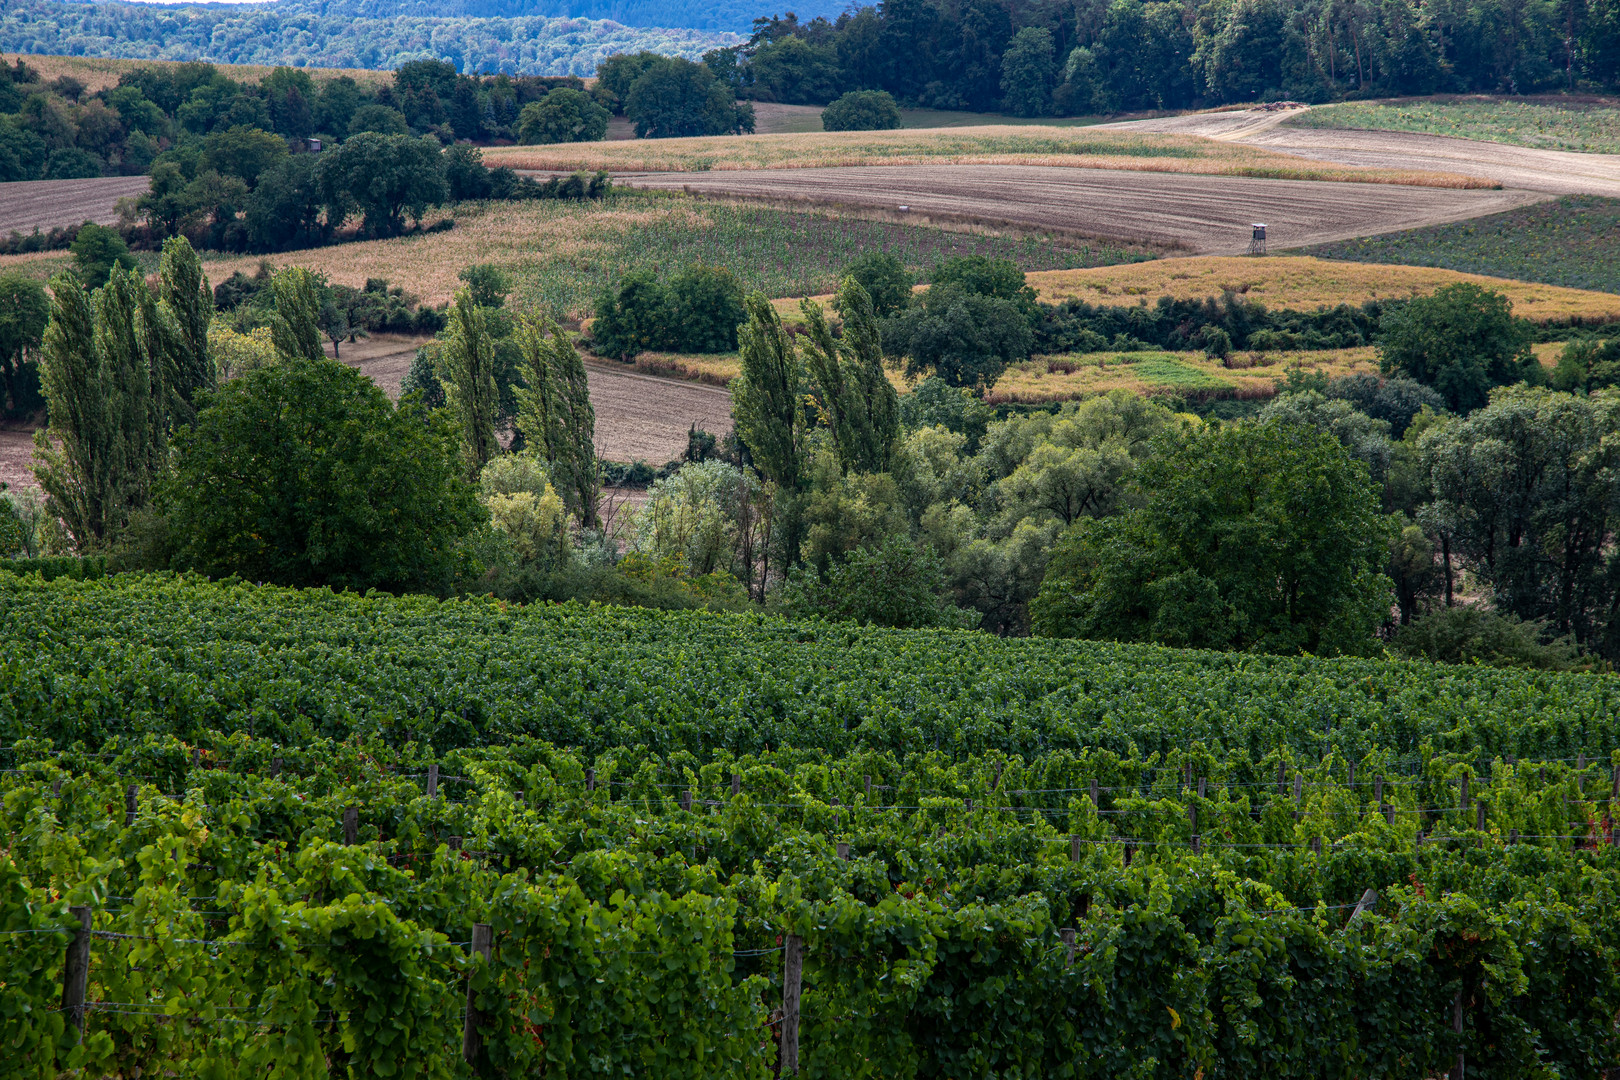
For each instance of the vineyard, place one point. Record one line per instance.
(263, 832)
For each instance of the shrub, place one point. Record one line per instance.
(1468, 635)
(894, 584)
(698, 311)
(862, 110)
(96, 250)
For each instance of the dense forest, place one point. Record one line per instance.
(1047, 57)
(305, 36)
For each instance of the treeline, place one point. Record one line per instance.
(283, 163)
(728, 15)
(1096, 57)
(307, 35)
(1463, 505)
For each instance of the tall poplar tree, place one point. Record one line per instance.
(556, 417)
(295, 328)
(861, 405)
(765, 404)
(105, 373)
(469, 358)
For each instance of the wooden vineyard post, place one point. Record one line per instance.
(1352, 784)
(1096, 797)
(472, 1043)
(275, 766)
(1068, 943)
(1074, 849)
(1316, 846)
(131, 804)
(76, 972)
(590, 779)
(792, 976)
(1365, 904)
(351, 826)
(454, 843)
(433, 781)
(843, 851)
(686, 800)
(1459, 1071)
(736, 784)
(1479, 816)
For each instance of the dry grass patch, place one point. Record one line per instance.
(1001, 144)
(99, 73)
(1304, 283)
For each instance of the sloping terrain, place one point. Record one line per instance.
(53, 204)
(1209, 215)
(1556, 172)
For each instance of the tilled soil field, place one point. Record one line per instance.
(638, 417)
(16, 455)
(52, 204)
(1206, 215)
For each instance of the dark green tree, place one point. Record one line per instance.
(244, 153)
(187, 304)
(103, 372)
(24, 311)
(1462, 341)
(1262, 537)
(1587, 364)
(295, 325)
(556, 417)
(862, 407)
(302, 473)
(886, 280)
(285, 210)
(862, 110)
(385, 177)
(675, 97)
(618, 73)
(562, 116)
(708, 307)
(96, 251)
(1028, 70)
(964, 338)
(468, 355)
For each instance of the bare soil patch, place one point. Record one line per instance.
(1195, 214)
(638, 417)
(26, 205)
(1553, 171)
(16, 457)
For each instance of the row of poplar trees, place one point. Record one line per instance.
(786, 391)
(554, 413)
(121, 368)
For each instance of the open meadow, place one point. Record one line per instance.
(103, 72)
(562, 254)
(1589, 125)
(1573, 242)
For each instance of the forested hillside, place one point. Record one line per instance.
(1033, 59)
(303, 36)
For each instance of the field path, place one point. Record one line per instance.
(26, 205)
(1204, 215)
(1556, 172)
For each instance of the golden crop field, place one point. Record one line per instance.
(1001, 144)
(1301, 282)
(99, 73)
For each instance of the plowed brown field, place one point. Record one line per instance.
(1208, 215)
(51, 204)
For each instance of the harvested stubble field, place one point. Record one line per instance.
(1587, 125)
(100, 73)
(1001, 144)
(1305, 283)
(1193, 214)
(1574, 242)
(562, 254)
(26, 205)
